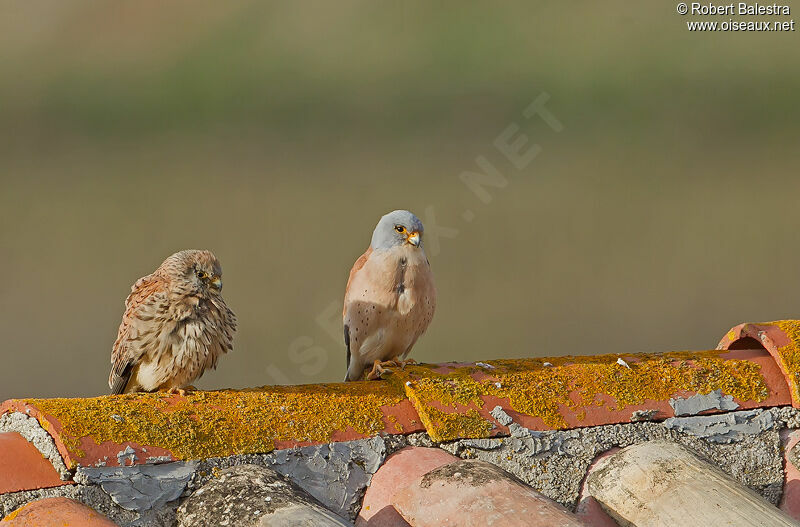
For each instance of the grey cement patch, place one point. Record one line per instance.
(725, 428)
(481, 444)
(501, 416)
(29, 428)
(701, 402)
(533, 442)
(127, 455)
(339, 473)
(421, 439)
(152, 460)
(786, 416)
(336, 474)
(140, 488)
(643, 415)
(555, 463)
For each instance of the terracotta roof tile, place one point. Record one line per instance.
(455, 400)
(398, 471)
(589, 509)
(22, 466)
(449, 401)
(781, 339)
(56, 512)
(141, 428)
(790, 500)
(472, 493)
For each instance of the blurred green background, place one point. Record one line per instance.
(276, 135)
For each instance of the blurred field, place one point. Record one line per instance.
(277, 134)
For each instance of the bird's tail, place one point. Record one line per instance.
(118, 380)
(347, 343)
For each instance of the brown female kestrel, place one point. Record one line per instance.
(176, 325)
(390, 297)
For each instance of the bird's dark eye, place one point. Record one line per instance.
(202, 275)
(400, 228)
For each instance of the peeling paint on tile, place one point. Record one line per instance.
(701, 402)
(727, 428)
(140, 487)
(154, 460)
(127, 455)
(501, 416)
(643, 415)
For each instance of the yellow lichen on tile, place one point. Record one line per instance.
(443, 426)
(221, 423)
(15, 513)
(571, 384)
(790, 355)
(209, 424)
(398, 427)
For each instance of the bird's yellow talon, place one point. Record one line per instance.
(182, 391)
(404, 363)
(379, 368)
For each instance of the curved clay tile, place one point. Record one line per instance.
(781, 339)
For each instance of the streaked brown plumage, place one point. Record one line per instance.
(175, 327)
(390, 296)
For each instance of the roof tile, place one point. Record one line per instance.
(472, 493)
(455, 400)
(790, 499)
(22, 467)
(157, 427)
(56, 512)
(398, 471)
(781, 339)
(635, 488)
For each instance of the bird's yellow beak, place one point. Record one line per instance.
(413, 239)
(216, 282)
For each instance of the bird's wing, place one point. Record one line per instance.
(357, 266)
(362, 260)
(146, 294)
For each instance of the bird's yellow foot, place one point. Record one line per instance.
(182, 391)
(379, 368)
(404, 363)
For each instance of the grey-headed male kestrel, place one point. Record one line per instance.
(390, 297)
(175, 327)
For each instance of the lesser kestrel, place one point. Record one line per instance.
(175, 327)
(390, 296)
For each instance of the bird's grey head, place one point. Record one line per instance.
(398, 228)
